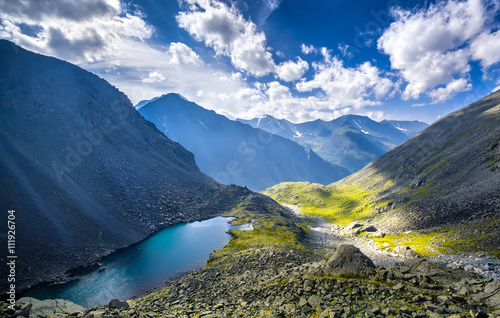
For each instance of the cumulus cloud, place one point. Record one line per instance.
(308, 49)
(291, 71)
(181, 54)
(442, 94)
(154, 77)
(72, 10)
(486, 48)
(346, 86)
(224, 29)
(430, 47)
(77, 31)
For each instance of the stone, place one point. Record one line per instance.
(49, 307)
(302, 302)
(325, 313)
(434, 308)
(116, 303)
(432, 314)
(380, 234)
(349, 261)
(398, 287)
(314, 301)
(444, 299)
(308, 285)
(405, 252)
(370, 229)
(492, 287)
(376, 310)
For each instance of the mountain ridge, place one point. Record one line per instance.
(232, 152)
(84, 171)
(350, 141)
(445, 181)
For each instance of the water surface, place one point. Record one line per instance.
(147, 265)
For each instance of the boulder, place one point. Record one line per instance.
(49, 307)
(348, 260)
(406, 252)
(116, 303)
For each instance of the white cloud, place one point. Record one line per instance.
(291, 71)
(229, 34)
(429, 47)
(356, 87)
(486, 47)
(154, 77)
(495, 89)
(308, 49)
(442, 94)
(77, 31)
(181, 54)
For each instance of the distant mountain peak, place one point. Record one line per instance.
(351, 141)
(231, 152)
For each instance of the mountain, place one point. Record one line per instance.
(349, 141)
(409, 128)
(84, 172)
(235, 153)
(443, 182)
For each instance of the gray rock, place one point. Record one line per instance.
(314, 301)
(444, 299)
(302, 302)
(406, 252)
(49, 307)
(349, 261)
(492, 287)
(432, 314)
(116, 303)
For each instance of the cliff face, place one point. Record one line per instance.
(85, 173)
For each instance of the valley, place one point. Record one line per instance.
(414, 233)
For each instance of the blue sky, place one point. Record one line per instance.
(293, 59)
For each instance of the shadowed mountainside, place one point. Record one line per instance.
(235, 153)
(84, 172)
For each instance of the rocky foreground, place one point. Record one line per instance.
(283, 282)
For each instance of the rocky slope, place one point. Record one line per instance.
(234, 153)
(277, 283)
(349, 141)
(443, 183)
(273, 271)
(84, 172)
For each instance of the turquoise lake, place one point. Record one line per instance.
(144, 266)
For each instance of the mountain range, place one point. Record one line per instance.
(350, 141)
(84, 172)
(234, 153)
(443, 183)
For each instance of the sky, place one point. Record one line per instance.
(292, 59)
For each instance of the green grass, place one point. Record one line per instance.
(270, 230)
(423, 244)
(447, 240)
(341, 204)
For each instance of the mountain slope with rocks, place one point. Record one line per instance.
(84, 172)
(444, 184)
(350, 141)
(234, 153)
